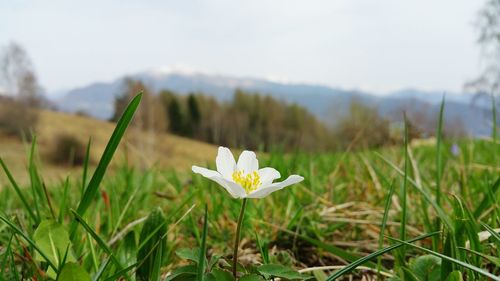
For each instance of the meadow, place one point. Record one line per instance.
(420, 211)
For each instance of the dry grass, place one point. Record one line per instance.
(149, 149)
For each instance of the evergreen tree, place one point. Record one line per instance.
(194, 115)
(176, 117)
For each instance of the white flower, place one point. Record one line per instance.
(244, 179)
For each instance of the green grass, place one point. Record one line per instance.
(345, 212)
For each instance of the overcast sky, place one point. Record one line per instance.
(374, 45)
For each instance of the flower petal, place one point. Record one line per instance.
(205, 172)
(234, 189)
(225, 162)
(266, 190)
(248, 162)
(267, 175)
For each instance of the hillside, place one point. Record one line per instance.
(165, 151)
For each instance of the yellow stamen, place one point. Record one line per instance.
(249, 182)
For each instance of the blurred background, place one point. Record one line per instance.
(265, 75)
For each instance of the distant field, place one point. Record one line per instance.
(163, 151)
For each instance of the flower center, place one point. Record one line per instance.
(249, 182)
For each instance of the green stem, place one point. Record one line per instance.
(237, 237)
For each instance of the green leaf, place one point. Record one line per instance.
(150, 256)
(455, 276)
(53, 239)
(158, 261)
(109, 151)
(182, 273)
(191, 254)
(426, 267)
(209, 277)
(29, 240)
(213, 260)
(251, 277)
(222, 275)
(408, 275)
(73, 272)
(320, 275)
(281, 271)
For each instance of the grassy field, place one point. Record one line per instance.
(170, 151)
(350, 205)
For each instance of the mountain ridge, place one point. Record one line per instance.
(327, 103)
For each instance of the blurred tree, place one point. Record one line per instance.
(454, 129)
(489, 37)
(363, 127)
(194, 116)
(18, 75)
(150, 115)
(421, 121)
(176, 116)
(150, 119)
(18, 81)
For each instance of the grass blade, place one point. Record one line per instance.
(86, 165)
(121, 273)
(494, 114)
(327, 247)
(439, 160)
(439, 168)
(29, 240)
(92, 188)
(62, 205)
(426, 195)
(98, 239)
(13, 182)
(36, 185)
(486, 202)
(201, 260)
(384, 223)
(101, 269)
(491, 231)
(152, 239)
(402, 231)
(455, 261)
(350, 267)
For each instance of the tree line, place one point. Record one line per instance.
(249, 120)
(257, 121)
